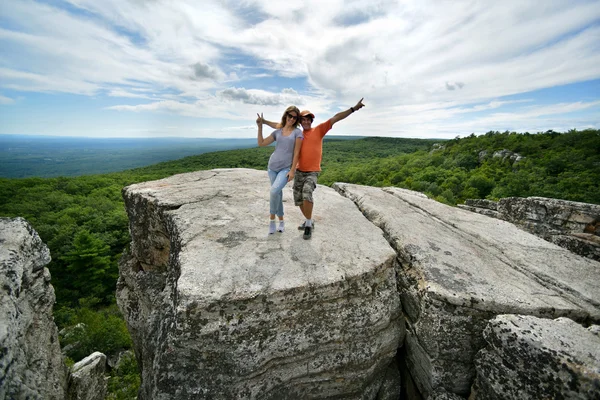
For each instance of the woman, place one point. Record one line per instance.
(282, 164)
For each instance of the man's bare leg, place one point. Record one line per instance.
(307, 208)
(304, 208)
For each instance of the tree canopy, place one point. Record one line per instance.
(83, 220)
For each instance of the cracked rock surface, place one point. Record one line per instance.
(31, 365)
(566, 357)
(219, 309)
(457, 270)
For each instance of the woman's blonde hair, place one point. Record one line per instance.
(288, 110)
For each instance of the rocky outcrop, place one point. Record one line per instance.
(569, 224)
(507, 155)
(457, 270)
(87, 379)
(31, 365)
(482, 206)
(31, 362)
(219, 309)
(531, 358)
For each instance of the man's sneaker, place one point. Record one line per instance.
(301, 227)
(307, 232)
(281, 227)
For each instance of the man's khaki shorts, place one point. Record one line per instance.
(305, 184)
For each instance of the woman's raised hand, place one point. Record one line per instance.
(260, 120)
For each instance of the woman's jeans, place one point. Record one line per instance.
(278, 181)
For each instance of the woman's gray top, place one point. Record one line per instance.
(284, 149)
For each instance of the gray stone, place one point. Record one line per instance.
(532, 358)
(482, 155)
(482, 203)
(87, 380)
(457, 270)
(584, 244)
(31, 366)
(115, 360)
(543, 216)
(508, 155)
(441, 394)
(218, 308)
(437, 147)
(482, 211)
(392, 384)
(569, 224)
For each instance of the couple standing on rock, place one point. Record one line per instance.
(297, 156)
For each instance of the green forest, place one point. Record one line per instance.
(83, 220)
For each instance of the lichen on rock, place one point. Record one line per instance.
(224, 310)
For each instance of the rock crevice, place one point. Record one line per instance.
(219, 309)
(457, 270)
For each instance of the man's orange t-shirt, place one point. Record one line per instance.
(312, 148)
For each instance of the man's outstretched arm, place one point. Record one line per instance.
(343, 114)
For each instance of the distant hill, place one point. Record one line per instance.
(49, 156)
(25, 156)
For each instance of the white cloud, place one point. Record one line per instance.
(6, 100)
(125, 93)
(37, 82)
(260, 97)
(436, 120)
(421, 65)
(231, 103)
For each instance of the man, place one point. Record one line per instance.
(309, 161)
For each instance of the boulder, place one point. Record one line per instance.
(569, 224)
(456, 270)
(543, 216)
(584, 244)
(566, 357)
(482, 203)
(507, 155)
(87, 380)
(31, 365)
(482, 155)
(219, 309)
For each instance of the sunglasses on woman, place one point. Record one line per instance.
(292, 116)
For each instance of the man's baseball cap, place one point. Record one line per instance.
(306, 113)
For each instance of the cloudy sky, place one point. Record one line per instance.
(204, 68)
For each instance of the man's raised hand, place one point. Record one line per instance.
(359, 105)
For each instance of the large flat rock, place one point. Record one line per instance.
(219, 309)
(458, 269)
